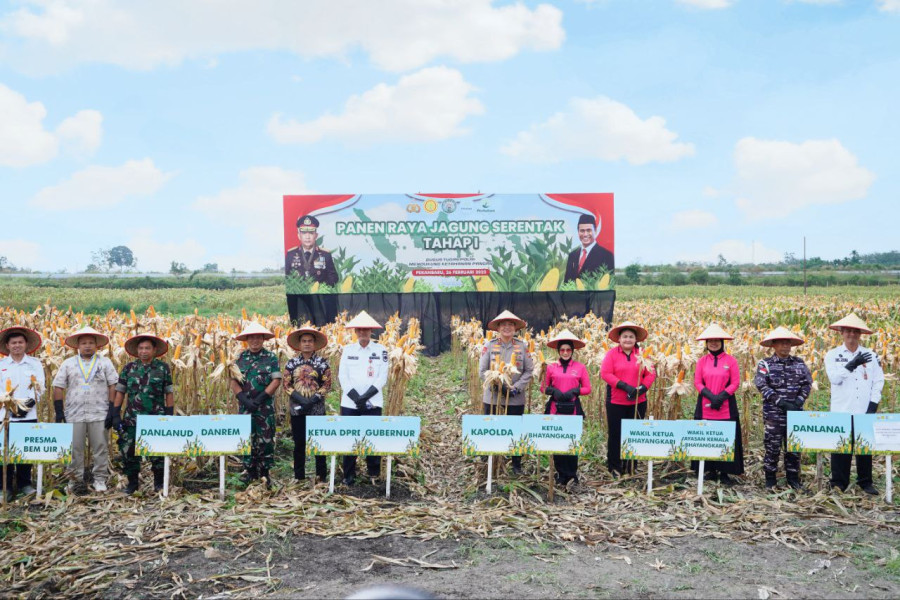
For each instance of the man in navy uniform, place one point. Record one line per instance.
(590, 257)
(307, 259)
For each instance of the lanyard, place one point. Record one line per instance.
(86, 375)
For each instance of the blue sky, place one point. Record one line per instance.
(729, 127)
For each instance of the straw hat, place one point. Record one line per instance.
(506, 316)
(254, 328)
(714, 332)
(32, 339)
(293, 338)
(565, 336)
(782, 333)
(851, 321)
(72, 340)
(161, 345)
(363, 321)
(639, 331)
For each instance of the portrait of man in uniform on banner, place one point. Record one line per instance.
(589, 256)
(307, 259)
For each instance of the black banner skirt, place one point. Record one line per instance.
(433, 309)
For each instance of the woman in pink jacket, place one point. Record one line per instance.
(626, 395)
(717, 378)
(565, 381)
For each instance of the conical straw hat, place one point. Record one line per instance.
(363, 321)
(32, 339)
(293, 338)
(565, 336)
(254, 328)
(639, 331)
(851, 321)
(161, 345)
(782, 333)
(72, 340)
(714, 332)
(506, 316)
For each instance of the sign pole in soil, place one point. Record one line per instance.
(889, 485)
(550, 486)
(331, 475)
(387, 489)
(40, 481)
(166, 464)
(222, 477)
(700, 474)
(490, 472)
(649, 473)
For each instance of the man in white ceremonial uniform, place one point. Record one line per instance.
(856, 382)
(363, 373)
(87, 382)
(20, 370)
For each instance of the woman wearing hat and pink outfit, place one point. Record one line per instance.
(628, 382)
(717, 377)
(564, 381)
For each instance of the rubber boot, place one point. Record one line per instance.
(770, 481)
(264, 474)
(133, 484)
(793, 480)
(158, 480)
(249, 475)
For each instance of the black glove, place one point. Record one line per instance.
(248, 402)
(707, 393)
(628, 389)
(113, 417)
(169, 411)
(641, 390)
(718, 400)
(60, 413)
(788, 405)
(858, 360)
(361, 404)
(872, 408)
(571, 395)
(369, 393)
(510, 391)
(261, 398)
(301, 400)
(353, 395)
(554, 393)
(21, 413)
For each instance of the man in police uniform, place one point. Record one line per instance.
(856, 383)
(785, 383)
(590, 256)
(363, 373)
(507, 399)
(307, 259)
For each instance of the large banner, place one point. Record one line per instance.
(404, 243)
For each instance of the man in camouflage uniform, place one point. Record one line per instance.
(261, 378)
(507, 399)
(785, 383)
(145, 387)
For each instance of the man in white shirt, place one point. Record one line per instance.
(26, 376)
(856, 383)
(363, 373)
(87, 381)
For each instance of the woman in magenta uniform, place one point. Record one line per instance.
(717, 378)
(565, 381)
(628, 382)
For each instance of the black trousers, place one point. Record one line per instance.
(512, 411)
(566, 465)
(298, 432)
(373, 463)
(840, 468)
(614, 414)
(19, 474)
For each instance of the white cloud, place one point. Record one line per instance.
(693, 219)
(819, 1)
(21, 253)
(777, 178)
(707, 4)
(82, 133)
(102, 187)
(735, 251)
(598, 128)
(260, 244)
(891, 6)
(711, 192)
(428, 105)
(397, 34)
(24, 141)
(154, 255)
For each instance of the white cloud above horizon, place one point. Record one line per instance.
(707, 4)
(598, 128)
(157, 256)
(890, 6)
(778, 178)
(425, 106)
(21, 253)
(98, 186)
(397, 35)
(24, 141)
(693, 219)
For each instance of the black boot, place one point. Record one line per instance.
(793, 480)
(133, 484)
(264, 474)
(770, 481)
(158, 480)
(725, 479)
(249, 475)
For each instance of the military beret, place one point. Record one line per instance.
(587, 220)
(307, 223)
